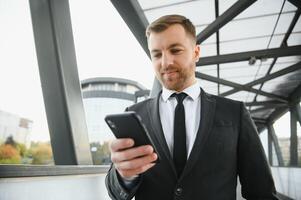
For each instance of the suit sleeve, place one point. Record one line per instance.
(116, 189)
(253, 169)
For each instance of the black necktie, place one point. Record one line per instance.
(179, 149)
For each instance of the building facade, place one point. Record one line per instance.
(103, 96)
(18, 128)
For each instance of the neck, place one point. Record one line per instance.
(188, 84)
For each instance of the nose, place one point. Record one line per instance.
(167, 60)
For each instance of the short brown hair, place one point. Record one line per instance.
(164, 22)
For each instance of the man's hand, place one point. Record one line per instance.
(131, 161)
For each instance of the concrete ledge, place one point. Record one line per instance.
(10, 171)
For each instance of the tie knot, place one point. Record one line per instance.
(180, 96)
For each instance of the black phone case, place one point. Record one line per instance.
(129, 125)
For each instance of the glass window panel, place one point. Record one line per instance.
(276, 41)
(241, 64)
(282, 131)
(248, 28)
(279, 66)
(251, 71)
(263, 98)
(288, 59)
(265, 7)
(100, 53)
(225, 5)
(299, 141)
(284, 22)
(280, 89)
(99, 134)
(146, 4)
(224, 88)
(103, 54)
(239, 96)
(212, 72)
(208, 50)
(275, 161)
(243, 45)
(263, 114)
(255, 107)
(199, 12)
(289, 7)
(294, 39)
(208, 86)
(242, 73)
(233, 65)
(264, 141)
(285, 80)
(250, 97)
(239, 79)
(24, 135)
(208, 69)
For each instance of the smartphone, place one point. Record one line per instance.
(129, 125)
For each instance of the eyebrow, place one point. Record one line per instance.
(169, 47)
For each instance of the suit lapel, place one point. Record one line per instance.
(207, 116)
(154, 114)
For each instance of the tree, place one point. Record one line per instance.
(9, 154)
(41, 153)
(101, 153)
(10, 140)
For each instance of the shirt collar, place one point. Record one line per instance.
(192, 91)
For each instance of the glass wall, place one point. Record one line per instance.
(99, 133)
(299, 138)
(24, 135)
(105, 47)
(282, 131)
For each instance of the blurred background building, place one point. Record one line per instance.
(103, 96)
(15, 127)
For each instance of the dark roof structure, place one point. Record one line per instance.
(250, 50)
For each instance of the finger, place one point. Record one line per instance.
(132, 153)
(122, 143)
(134, 172)
(136, 163)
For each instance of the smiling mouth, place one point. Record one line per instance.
(168, 73)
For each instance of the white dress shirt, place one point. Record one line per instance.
(167, 105)
(192, 105)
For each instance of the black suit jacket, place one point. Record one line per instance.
(226, 146)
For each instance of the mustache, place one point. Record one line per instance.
(169, 69)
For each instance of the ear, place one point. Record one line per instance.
(197, 51)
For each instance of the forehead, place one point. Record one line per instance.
(173, 34)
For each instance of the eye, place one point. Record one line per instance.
(157, 55)
(176, 51)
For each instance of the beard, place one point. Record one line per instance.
(176, 78)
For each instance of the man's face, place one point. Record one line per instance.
(174, 54)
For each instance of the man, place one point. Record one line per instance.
(205, 141)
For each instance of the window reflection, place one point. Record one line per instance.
(103, 96)
(24, 136)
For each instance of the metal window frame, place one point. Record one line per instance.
(60, 82)
(238, 86)
(227, 16)
(293, 137)
(274, 139)
(266, 78)
(245, 56)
